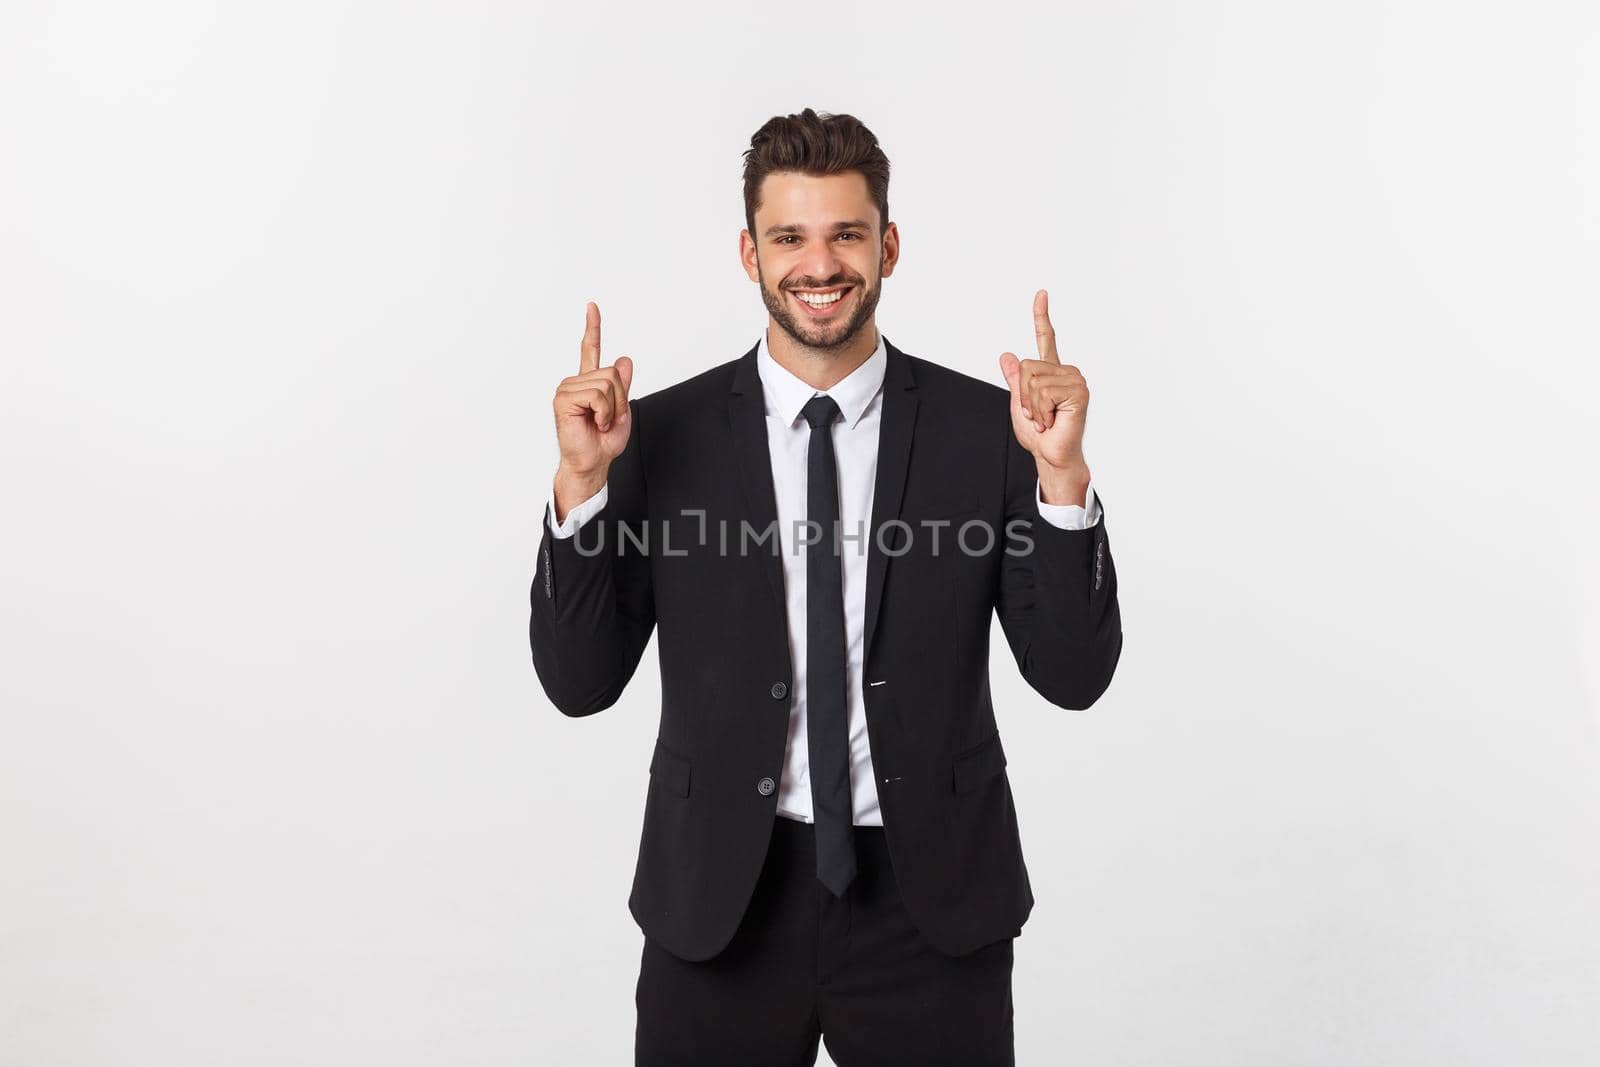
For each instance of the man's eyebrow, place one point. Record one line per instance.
(790, 227)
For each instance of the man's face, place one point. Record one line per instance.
(817, 237)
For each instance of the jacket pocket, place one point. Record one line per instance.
(977, 765)
(670, 769)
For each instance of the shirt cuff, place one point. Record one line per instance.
(1069, 516)
(578, 515)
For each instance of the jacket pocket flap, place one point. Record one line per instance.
(670, 769)
(978, 765)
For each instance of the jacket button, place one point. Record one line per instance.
(766, 786)
(779, 690)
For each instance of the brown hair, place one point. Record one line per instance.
(815, 144)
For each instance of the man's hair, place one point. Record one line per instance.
(815, 144)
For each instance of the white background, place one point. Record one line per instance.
(285, 290)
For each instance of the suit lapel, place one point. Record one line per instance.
(747, 418)
(894, 459)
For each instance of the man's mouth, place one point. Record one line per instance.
(820, 303)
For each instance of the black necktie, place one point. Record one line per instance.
(827, 708)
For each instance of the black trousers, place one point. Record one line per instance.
(805, 964)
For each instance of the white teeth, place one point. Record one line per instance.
(818, 301)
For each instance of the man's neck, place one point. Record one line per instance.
(818, 367)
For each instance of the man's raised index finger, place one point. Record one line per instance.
(589, 353)
(1043, 333)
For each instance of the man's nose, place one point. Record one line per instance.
(821, 264)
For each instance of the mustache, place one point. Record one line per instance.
(807, 284)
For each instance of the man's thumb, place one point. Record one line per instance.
(1011, 367)
(624, 367)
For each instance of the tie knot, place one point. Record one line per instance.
(820, 411)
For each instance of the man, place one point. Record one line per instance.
(819, 531)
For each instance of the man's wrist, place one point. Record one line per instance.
(1063, 485)
(573, 488)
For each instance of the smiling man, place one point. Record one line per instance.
(819, 532)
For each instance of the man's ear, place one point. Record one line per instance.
(747, 255)
(891, 249)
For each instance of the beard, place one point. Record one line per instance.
(829, 336)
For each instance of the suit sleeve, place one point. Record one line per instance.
(1058, 595)
(592, 608)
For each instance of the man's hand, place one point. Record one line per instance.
(592, 419)
(1049, 403)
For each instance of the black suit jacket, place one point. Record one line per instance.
(696, 467)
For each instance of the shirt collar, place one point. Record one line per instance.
(786, 394)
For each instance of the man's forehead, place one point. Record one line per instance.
(795, 203)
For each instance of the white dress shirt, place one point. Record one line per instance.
(855, 442)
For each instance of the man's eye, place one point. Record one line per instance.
(852, 236)
(789, 237)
